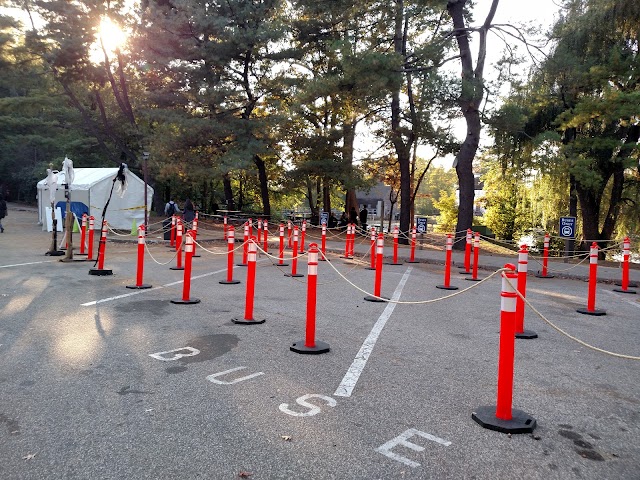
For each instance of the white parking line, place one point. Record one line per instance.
(353, 374)
(21, 264)
(136, 292)
(630, 302)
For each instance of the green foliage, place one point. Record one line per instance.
(436, 181)
(446, 205)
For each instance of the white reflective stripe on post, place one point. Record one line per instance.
(508, 301)
(246, 229)
(295, 234)
(477, 240)
(312, 269)
(469, 236)
(252, 256)
(449, 243)
(189, 246)
(380, 246)
(195, 224)
(593, 255)
(104, 229)
(304, 226)
(282, 230)
(141, 239)
(395, 232)
(523, 261)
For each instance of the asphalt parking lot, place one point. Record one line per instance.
(98, 381)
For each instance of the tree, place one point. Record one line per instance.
(469, 101)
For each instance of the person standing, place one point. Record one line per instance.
(189, 211)
(3, 212)
(353, 216)
(364, 213)
(171, 208)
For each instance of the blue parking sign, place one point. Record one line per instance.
(567, 227)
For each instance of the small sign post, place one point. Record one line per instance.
(421, 224)
(568, 232)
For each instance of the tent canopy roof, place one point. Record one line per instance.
(85, 178)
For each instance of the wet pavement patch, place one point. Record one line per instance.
(126, 390)
(153, 307)
(12, 425)
(585, 449)
(210, 346)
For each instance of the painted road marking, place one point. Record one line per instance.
(402, 439)
(29, 263)
(161, 355)
(353, 374)
(313, 409)
(214, 377)
(136, 292)
(630, 302)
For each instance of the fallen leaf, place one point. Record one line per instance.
(286, 438)
(245, 474)
(29, 456)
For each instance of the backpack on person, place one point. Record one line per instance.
(171, 209)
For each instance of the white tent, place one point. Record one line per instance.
(90, 191)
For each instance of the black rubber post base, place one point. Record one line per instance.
(526, 334)
(619, 290)
(139, 287)
(242, 321)
(369, 268)
(445, 287)
(189, 301)
(471, 279)
(176, 268)
(281, 264)
(196, 256)
(393, 263)
(55, 253)
(293, 275)
(80, 259)
(226, 282)
(412, 261)
(100, 272)
(519, 423)
(595, 313)
(81, 254)
(630, 285)
(539, 275)
(466, 272)
(371, 298)
(346, 257)
(299, 347)
(241, 264)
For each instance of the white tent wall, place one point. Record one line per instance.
(91, 186)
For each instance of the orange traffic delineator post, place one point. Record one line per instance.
(323, 243)
(224, 226)
(593, 280)
(372, 250)
(412, 254)
(172, 238)
(447, 266)
(476, 257)
(626, 250)
(265, 236)
(179, 245)
(250, 222)
(140, 266)
(377, 296)
(502, 417)
(310, 345)
(91, 233)
(251, 286)
(467, 252)
(231, 239)
(281, 262)
(545, 259)
(303, 233)
(294, 256)
(259, 231)
(523, 260)
(290, 234)
(102, 248)
(245, 246)
(347, 244)
(395, 248)
(186, 284)
(83, 235)
(194, 233)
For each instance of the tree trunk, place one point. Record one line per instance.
(326, 195)
(264, 186)
(228, 192)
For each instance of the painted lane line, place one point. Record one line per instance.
(353, 374)
(136, 292)
(29, 263)
(630, 302)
